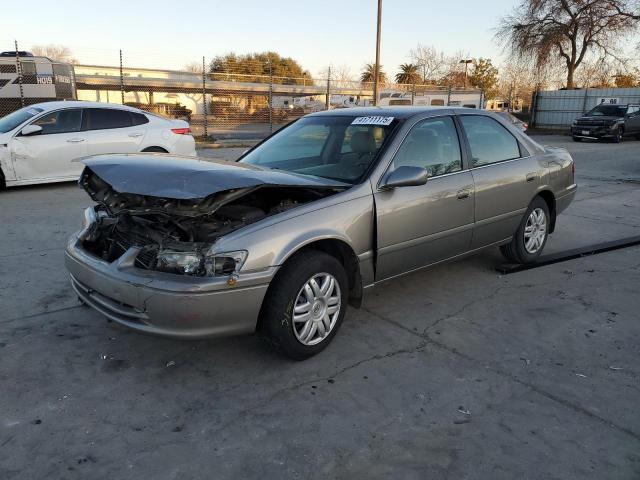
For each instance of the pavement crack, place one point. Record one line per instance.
(540, 391)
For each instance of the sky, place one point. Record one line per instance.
(170, 34)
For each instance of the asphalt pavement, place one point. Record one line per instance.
(456, 372)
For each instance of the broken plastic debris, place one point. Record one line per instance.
(581, 375)
(615, 368)
(526, 360)
(171, 364)
(464, 411)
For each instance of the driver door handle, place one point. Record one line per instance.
(75, 140)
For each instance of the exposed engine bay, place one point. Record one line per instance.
(176, 235)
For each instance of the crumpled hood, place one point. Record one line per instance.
(185, 178)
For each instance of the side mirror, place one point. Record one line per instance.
(31, 130)
(405, 176)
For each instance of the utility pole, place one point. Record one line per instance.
(466, 65)
(376, 70)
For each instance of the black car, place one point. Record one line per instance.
(607, 121)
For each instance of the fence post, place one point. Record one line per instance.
(19, 70)
(121, 80)
(584, 102)
(270, 98)
(328, 99)
(204, 100)
(413, 93)
(534, 107)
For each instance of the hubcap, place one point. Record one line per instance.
(317, 308)
(535, 231)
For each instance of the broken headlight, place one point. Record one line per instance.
(188, 263)
(226, 263)
(196, 263)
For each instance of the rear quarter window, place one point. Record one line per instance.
(489, 141)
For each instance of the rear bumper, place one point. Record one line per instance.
(185, 145)
(565, 199)
(164, 304)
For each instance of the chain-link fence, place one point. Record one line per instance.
(220, 100)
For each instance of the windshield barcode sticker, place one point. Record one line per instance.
(373, 120)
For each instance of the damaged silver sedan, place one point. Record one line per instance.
(302, 225)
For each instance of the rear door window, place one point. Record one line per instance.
(489, 141)
(105, 118)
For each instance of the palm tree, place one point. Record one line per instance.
(368, 74)
(408, 74)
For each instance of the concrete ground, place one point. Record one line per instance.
(455, 372)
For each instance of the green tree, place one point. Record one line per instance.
(484, 76)
(257, 67)
(368, 74)
(409, 74)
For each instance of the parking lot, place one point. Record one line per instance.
(454, 372)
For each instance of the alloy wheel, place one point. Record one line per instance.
(535, 230)
(316, 309)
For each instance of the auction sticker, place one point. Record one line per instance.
(372, 120)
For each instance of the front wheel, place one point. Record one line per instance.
(531, 237)
(618, 136)
(305, 304)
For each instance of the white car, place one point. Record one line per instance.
(39, 143)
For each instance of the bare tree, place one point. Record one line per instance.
(58, 53)
(432, 64)
(546, 31)
(193, 67)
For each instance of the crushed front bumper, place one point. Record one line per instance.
(165, 304)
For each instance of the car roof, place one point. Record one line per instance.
(402, 112)
(58, 104)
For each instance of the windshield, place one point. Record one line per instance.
(18, 117)
(341, 147)
(608, 110)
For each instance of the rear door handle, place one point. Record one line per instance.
(75, 140)
(531, 177)
(464, 193)
(135, 135)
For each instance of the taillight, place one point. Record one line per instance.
(525, 125)
(181, 131)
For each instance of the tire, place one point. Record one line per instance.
(519, 250)
(619, 134)
(577, 139)
(3, 183)
(155, 150)
(277, 322)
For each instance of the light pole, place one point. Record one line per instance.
(376, 69)
(466, 65)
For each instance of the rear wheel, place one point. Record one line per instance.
(531, 237)
(305, 304)
(3, 183)
(577, 139)
(155, 149)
